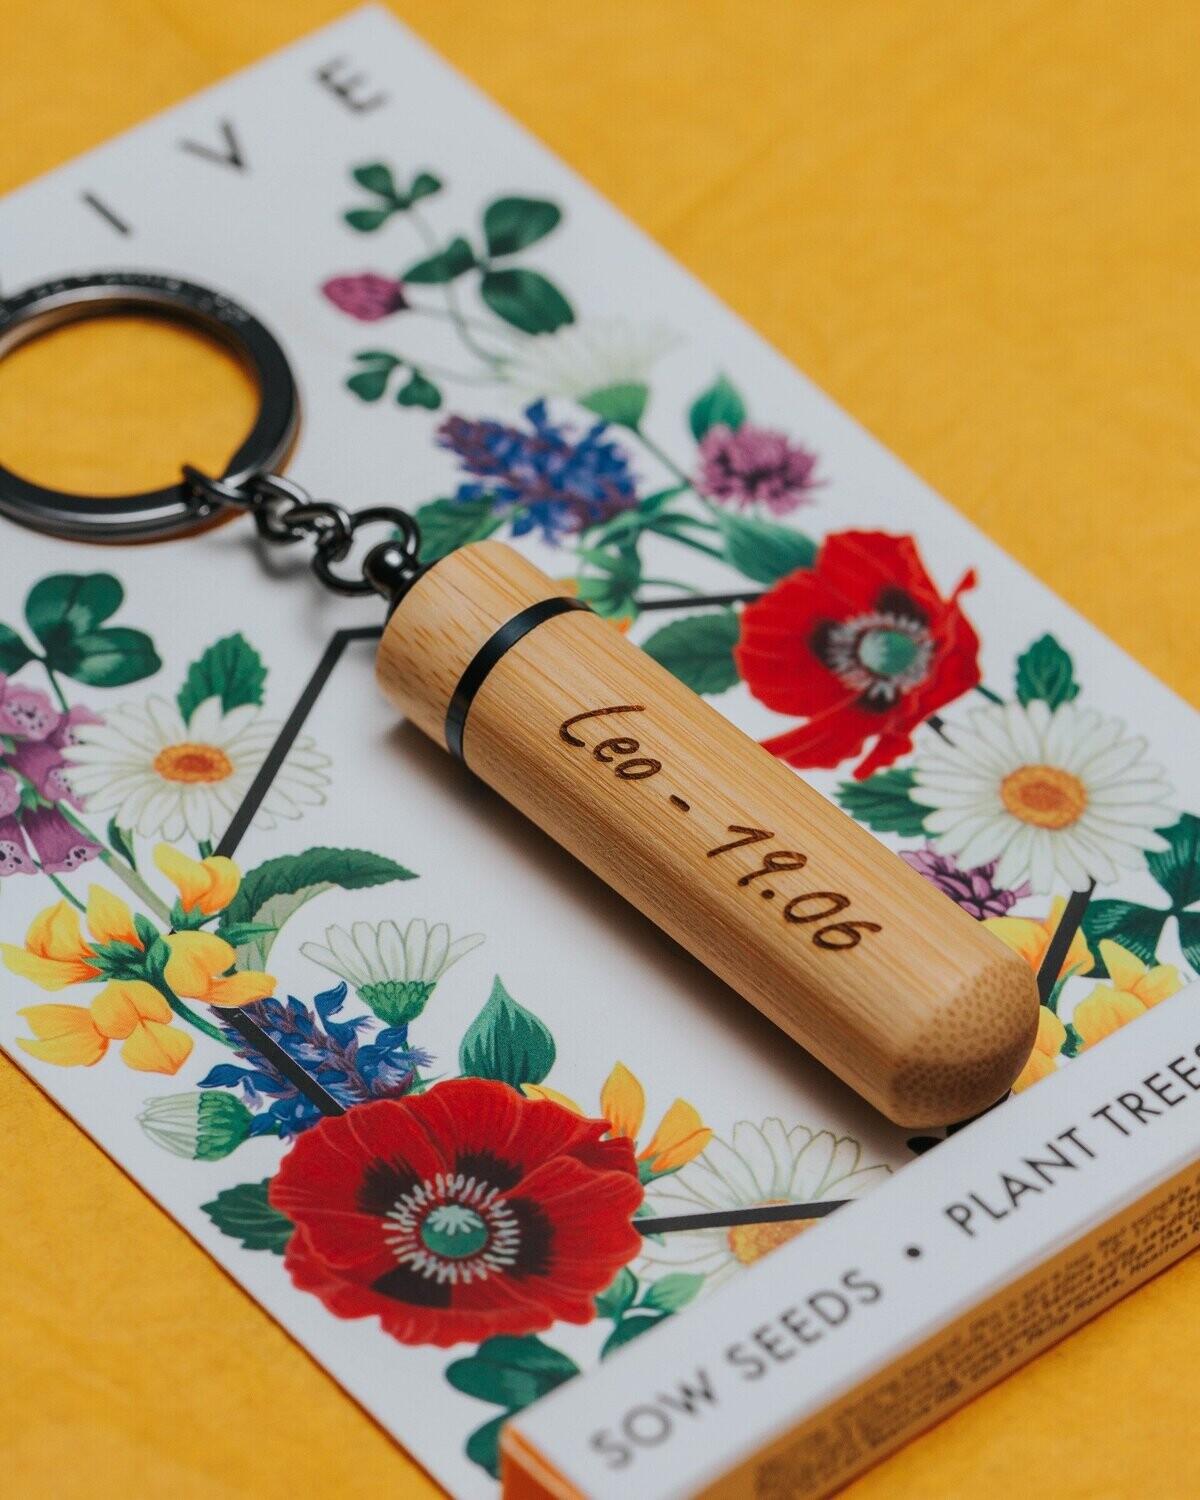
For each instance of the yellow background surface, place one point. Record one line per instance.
(976, 225)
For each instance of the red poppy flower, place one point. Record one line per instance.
(862, 645)
(459, 1213)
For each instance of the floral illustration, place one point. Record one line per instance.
(862, 646)
(748, 466)
(160, 773)
(351, 1058)
(974, 889)
(1133, 989)
(546, 477)
(459, 1214)
(590, 356)
(150, 975)
(680, 1136)
(393, 972)
(763, 1164)
(1059, 794)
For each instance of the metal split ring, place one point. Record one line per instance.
(177, 508)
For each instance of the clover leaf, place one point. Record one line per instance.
(66, 613)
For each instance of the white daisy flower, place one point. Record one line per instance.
(765, 1164)
(1054, 796)
(161, 775)
(582, 358)
(394, 972)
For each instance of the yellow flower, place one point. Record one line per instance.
(1051, 1034)
(1031, 938)
(197, 965)
(126, 1010)
(209, 884)
(1134, 989)
(681, 1134)
(55, 954)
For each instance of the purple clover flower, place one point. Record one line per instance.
(974, 890)
(367, 296)
(545, 478)
(753, 465)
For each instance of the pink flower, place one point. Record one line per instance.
(58, 846)
(752, 465)
(14, 852)
(10, 794)
(42, 763)
(367, 296)
(25, 712)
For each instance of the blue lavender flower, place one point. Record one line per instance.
(546, 478)
(346, 1065)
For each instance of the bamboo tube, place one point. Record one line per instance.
(850, 952)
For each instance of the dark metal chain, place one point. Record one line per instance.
(284, 512)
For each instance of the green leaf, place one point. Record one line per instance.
(507, 1042)
(699, 650)
(1045, 674)
(367, 220)
(419, 391)
(884, 803)
(631, 1328)
(446, 265)
(370, 385)
(424, 185)
(624, 405)
(447, 524)
(509, 224)
(231, 669)
(719, 406)
(672, 1292)
(511, 1372)
(14, 653)
(244, 1213)
(1138, 928)
(1177, 870)
(483, 1446)
(107, 658)
(303, 876)
(764, 550)
(1189, 937)
(526, 300)
(239, 933)
(121, 840)
(71, 604)
(613, 592)
(376, 178)
(616, 1299)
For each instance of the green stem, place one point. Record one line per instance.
(54, 683)
(698, 546)
(663, 457)
(450, 292)
(446, 315)
(988, 694)
(62, 890)
(130, 878)
(186, 1013)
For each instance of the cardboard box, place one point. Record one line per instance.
(853, 1338)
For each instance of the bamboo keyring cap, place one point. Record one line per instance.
(848, 950)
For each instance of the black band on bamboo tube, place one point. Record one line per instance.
(488, 655)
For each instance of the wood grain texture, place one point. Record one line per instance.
(845, 948)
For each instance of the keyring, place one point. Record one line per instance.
(177, 508)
